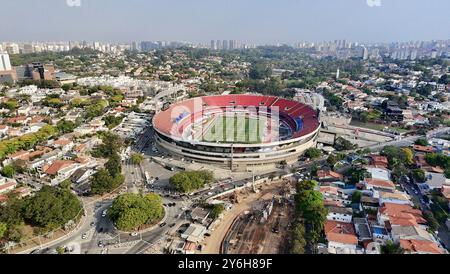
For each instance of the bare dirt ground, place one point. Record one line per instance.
(256, 240)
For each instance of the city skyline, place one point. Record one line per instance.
(264, 22)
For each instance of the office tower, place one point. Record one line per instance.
(213, 45)
(337, 74)
(224, 44)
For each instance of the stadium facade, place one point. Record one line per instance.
(240, 132)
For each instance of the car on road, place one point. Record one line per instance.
(172, 225)
(134, 234)
(36, 251)
(162, 225)
(104, 213)
(207, 234)
(84, 236)
(93, 223)
(101, 244)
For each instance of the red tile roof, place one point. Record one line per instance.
(420, 246)
(402, 214)
(379, 183)
(340, 232)
(57, 166)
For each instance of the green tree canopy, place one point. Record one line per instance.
(137, 158)
(188, 181)
(8, 171)
(131, 211)
(51, 208)
(313, 153)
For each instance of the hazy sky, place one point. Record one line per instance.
(259, 21)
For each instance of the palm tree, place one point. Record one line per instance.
(391, 248)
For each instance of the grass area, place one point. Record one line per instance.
(238, 129)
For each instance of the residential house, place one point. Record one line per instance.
(379, 184)
(413, 246)
(340, 214)
(341, 237)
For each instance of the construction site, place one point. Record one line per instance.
(264, 227)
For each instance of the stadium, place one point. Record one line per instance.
(239, 132)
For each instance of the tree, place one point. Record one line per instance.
(3, 230)
(131, 211)
(437, 159)
(356, 197)
(313, 153)
(137, 158)
(51, 208)
(8, 171)
(64, 126)
(216, 211)
(112, 121)
(431, 220)
(407, 155)
(66, 184)
(334, 158)
(421, 142)
(102, 182)
(356, 174)
(418, 175)
(60, 250)
(188, 181)
(309, 206)
(114, 165)
(391, 248)
(342, 144)
(259, 71)
(298, 237)
(111, 144)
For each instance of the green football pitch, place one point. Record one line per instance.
(237, 129)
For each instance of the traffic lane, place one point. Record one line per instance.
(149, 238)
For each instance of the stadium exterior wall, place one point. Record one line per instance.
(288, 151)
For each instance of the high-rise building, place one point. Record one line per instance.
(27, 48)
(5, 63)
(224, 44)
(134, 46)
(232, 44)
(13, 49)
(7, 73)
(213, 45)
(365, 53)
(218, 45)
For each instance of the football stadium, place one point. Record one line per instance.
(240, 132)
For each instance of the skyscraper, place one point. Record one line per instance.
(224, 44)
(218, 45)
(365, 53)
(5, 63)
(213, 44)
(232, 44)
